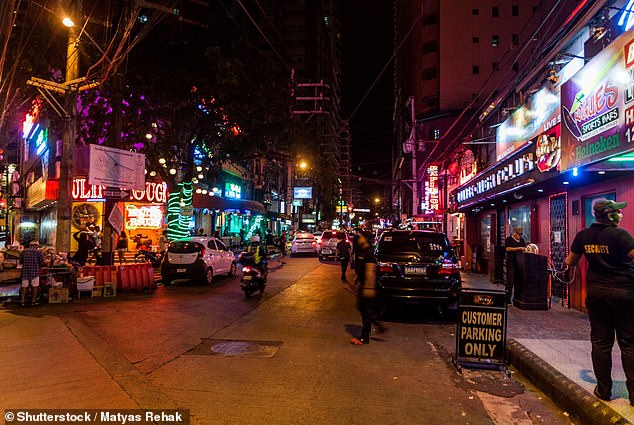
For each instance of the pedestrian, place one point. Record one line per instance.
(343, 255)
(281, 245)
(84, 245)
(32, 260)
(513, 245)
(217, 233)
(163, 241)
(366, 291)
(610, 293)
(122, 246)
(268, 238)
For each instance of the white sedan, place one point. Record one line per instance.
(304, 243)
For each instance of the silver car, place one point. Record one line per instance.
(304, 243)
(197, 258)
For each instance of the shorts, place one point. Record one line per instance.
(35, 282)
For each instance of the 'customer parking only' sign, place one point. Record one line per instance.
(481, 329)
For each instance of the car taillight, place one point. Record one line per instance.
(385, 267)
(246, 269)
(314, 243)
(449, 268)
(201, 253)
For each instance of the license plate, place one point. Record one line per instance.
(246, 277)
(181, 270)
(415, 270)
(326, 251)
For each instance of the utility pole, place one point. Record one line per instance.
(68, 111)
(65, 202)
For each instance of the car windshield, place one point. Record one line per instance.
(184, 247)
(304, 236)
(428, 244)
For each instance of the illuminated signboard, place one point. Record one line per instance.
(143, 216)
(41, 141)
(154, 192)
(548, 151)
(303, 192)
(539, 114)
(233, 191)
(431, 204)
(487, 183)
(597, 107)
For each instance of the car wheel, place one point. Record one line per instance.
(232, 269)
(167, 279)
(209, 276)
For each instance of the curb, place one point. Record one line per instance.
(567, 394)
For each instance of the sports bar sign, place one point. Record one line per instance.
(597, 106)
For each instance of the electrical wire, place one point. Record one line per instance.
(394, 52)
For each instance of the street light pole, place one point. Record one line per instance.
(65, 202)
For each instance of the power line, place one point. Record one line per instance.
(376, 80)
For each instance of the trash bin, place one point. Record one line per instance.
(531, 290)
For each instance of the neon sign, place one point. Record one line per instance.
(154, 192)
(143, 216)
(233, 190)
(432, 199)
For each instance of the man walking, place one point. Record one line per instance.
(366, 291)
(610, 300)
(32, 260)
(343, 255)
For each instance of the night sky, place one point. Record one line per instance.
(367, 46)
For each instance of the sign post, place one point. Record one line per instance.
(481, 330)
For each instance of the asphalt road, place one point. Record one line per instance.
(280, 358)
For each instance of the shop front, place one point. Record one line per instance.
(238, 219)
(143, 212)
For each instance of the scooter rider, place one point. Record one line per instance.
(259, 256)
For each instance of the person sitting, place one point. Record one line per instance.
(257, 255)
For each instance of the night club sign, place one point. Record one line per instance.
(507, 172)
(597, 106)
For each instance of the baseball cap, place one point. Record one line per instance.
(604, 206)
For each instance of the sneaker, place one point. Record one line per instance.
(600, 397)
(359, 341)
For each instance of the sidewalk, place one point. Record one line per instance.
(552, 349)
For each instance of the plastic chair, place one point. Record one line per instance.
(110, 288)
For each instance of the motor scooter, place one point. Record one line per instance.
(253, 277)
(144, 256)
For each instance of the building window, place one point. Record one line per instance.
(495, 12)
(521, 217)
(515, 10)
(475, 12)
(429, 47)
(429, 74)
(516, 39)
(476, 40)
(496, 66)
(475, 70)
(495, 40)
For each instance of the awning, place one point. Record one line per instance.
(218, 203)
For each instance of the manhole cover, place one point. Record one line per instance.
(235, 348)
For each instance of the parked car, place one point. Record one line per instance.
(304, 243)
(197, 258)
(417, 266)
(327, 244)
